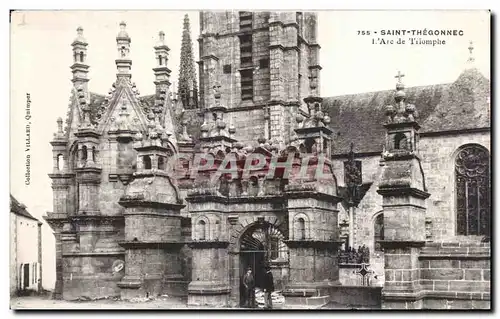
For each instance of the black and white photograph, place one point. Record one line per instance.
(250, 160)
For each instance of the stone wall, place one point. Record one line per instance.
(90, 277)
(348, 275)
(456, 275)
(438, 160)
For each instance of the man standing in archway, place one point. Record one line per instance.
(268, 288)
(249, 283)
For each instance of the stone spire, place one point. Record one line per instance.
(123, 62)
(79, 68)
(161, 71)
(187, 87)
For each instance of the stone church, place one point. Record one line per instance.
(404, 174)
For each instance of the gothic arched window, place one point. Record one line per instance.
(472, 184)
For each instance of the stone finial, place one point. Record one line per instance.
(60, 132)
(59, 125)
(401, 111)
(471, 56)
(123, 33)
(232, 130)
(204, 129)
(161, 37)
(79, 35)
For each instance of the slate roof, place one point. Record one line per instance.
(359, 118)
(19, 209)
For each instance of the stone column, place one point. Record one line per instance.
(404, 235)
(152, 257)
(313, 257)
(58, 289)
(210, 282)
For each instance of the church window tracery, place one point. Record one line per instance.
(472, 184)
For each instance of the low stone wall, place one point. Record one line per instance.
(356, 296)
(348, 275)
(455, 275)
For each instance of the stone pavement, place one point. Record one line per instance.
(43, 302)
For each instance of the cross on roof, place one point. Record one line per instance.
(399, 76)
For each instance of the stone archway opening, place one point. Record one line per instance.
(261, 245)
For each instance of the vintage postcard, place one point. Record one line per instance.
(250, 160)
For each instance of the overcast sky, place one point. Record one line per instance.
(41, 56)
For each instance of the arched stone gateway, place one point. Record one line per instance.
(263, 244)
